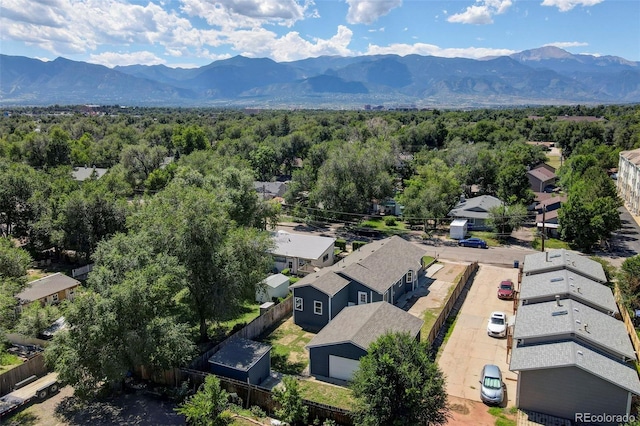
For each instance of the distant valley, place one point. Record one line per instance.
(543, 76)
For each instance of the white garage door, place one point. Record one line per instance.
(342, 368)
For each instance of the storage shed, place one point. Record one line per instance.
(243, 360)
(273, 286)
(458, 229)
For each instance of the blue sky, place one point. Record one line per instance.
(189, 33)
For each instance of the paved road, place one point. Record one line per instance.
(624, 243)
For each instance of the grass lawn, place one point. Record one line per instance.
(430, 316)
(489, 237)
(553, 161)
(427, 259)
(379, 224)
(504, 417)
(326, 393)
(8, 361)
(288, 355)
(248, 312)
(549, 243)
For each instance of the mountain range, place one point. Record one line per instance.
(548, 75)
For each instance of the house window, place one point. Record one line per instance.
(297, 303)
(410, 276)
(301, 263)
(290, 265)
(325, 257)
(362, 298)
(54, 297)
(317, 307)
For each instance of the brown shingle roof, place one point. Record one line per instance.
(632, 156)
(46, 286)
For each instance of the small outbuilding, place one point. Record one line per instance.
(244, 360)
(273, 286)
(458, 229)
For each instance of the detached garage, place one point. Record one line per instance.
(335, 352)
(243, 360)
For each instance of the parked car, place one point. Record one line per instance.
(491, 387)
(497, 325)
(506, 290)
(473, 242)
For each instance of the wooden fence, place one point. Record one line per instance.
(252, 330)
(255, 395)
(33, 367)
(631, 329)
(444, 314)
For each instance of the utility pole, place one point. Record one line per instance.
(544, 218)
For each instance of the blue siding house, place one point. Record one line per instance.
(243, 360)
(383, 270)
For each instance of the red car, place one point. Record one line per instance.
(506, 290)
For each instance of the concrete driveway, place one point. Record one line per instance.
(469, 347)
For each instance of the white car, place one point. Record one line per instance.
(497, 326)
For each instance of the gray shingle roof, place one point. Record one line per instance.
(552, 322)
(301, 246)
(380, 264)
(84, 173)
(567, 284)
(554, 260)
(363, 324)
(240, 354)
(47, 286)
(276, 280)
(271, 189)
(572, 354)
(477, 207)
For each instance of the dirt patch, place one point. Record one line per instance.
(465, 412)
(287, 340)
(449, 272)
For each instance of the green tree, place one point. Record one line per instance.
(208, 407)
(265, 162)
(431, 193)
(14, 261)
(35, 318)
(189, 139)
(140, 161)
(513, 185)
(506, 219)
(18, 186)
(58, 149)
(398, 384)
(629, 281)
(292, 410)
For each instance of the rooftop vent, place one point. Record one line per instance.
(558, 313)
(556, 279)
(553, 256)
(558, 300)
(580, 353)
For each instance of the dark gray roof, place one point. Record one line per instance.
(380, 264)
(47, 286)
(554, 260)
(84, 173)
(572, 354)
(270, 189)
(477, 207)
(568, 284)
(324, 280)
(363, 324)
(300, 245)
(552, 322)
(240, 354)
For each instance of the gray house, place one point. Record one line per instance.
(571, 353)
(557, 260)
(270, 190)
(475, 210)
(546, 286)
(383, 270)
(335, 351)
(244, 360)
(302, 254)
(567, 377)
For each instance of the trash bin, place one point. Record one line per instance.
(516, 263)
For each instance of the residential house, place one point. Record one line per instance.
(475, 210)
(541, 177)
(243, 360)
(270, 190)
(274, 286)
(48, 290)
(382, 270)
(302, 254)
(570, 352)
(336, 350)
(84, 173)
(561, 259)
(547, 214)
(629, 180)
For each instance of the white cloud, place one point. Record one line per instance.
(368, 11)
(433, 50)
(481, 13)
(248, 13)
(111, 59)
(566, 44)
(567, 5)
